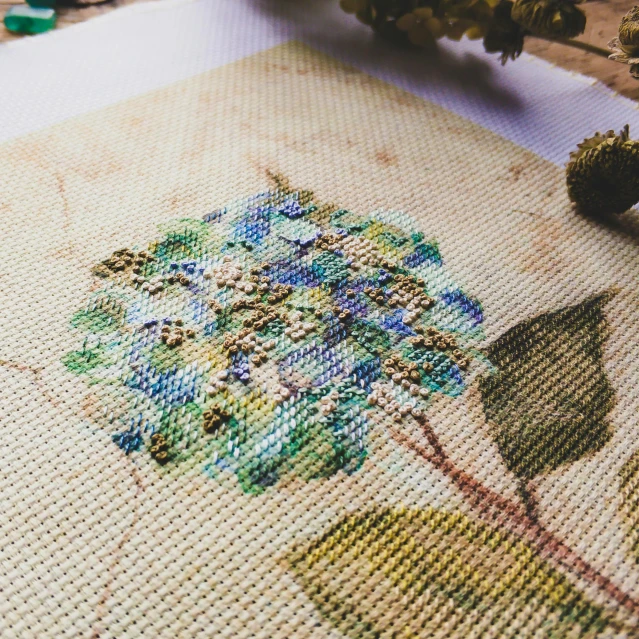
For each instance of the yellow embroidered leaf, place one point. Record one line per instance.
(410, 573)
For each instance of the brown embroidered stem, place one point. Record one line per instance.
(495, 509)
(528, 492)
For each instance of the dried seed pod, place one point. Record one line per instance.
(603, 174)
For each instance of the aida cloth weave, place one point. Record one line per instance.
(291, 351)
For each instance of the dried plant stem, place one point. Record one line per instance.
(511, 516)
(576, 44)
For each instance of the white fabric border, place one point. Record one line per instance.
(128, 52)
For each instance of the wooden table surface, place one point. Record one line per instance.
(603, 20)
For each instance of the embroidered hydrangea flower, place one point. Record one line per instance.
(603, 174)
(272, 337)
(625, 47)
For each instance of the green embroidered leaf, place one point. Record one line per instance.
(549, 396)
(630, 500)
(81, 362)
(408, 573)
(99, 320)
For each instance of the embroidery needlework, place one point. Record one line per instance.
(272, 336)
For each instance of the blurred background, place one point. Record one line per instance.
(603, 20)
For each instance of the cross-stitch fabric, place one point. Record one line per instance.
(290, 351)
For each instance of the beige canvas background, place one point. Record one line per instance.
(95, 544)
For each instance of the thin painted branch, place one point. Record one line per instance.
(116, 555)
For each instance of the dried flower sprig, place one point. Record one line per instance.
(603, 173)
(503, 24)
(422, 22)
(504, 35)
